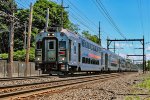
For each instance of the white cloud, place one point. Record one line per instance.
(148, 48)
(122, 55)
(123, 45)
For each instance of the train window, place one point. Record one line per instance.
(51, 45)
(101, 58)
(87, 45)
(92, 61)
(89, 61)
(83, 59)
(62, 44)
(94, 48)
(74, 49)
(39, 45)
(113, 64)
(98, 62)
(86, 60)
(90, 46)
(83, 43)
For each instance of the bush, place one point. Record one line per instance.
(20, 55)
(4, 56)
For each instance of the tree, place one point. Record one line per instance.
(6, 11)
(39, 14)
(148, 65)
(73, 27)
(93, 38)
(39, 20)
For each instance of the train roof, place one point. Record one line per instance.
(77, 36)
(71, 34)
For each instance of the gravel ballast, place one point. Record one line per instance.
(114, 89)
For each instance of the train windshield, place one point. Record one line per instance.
(39, 45)
(62, 44)
(51, 45)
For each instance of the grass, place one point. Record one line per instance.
(144, 85)
(132, 98)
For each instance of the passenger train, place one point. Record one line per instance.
(60, 51)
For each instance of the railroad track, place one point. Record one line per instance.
(23, 78)
(14, 90)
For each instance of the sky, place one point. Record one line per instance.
(130, 19)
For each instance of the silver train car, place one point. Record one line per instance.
(62, 51)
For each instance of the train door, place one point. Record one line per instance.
(50, 51)
(106, 61)
(119, 69)
(79, 52)
(69, 50)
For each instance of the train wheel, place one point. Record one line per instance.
(65, 73)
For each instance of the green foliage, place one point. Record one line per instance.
(148, 65)
(39, 14)
(73, 27)
(145, 84)
(5, 7)
(93, 38)
(38, 24)
(32, 54)
(4, 56)
(20, 55)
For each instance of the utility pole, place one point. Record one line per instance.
(11, 43)
(99, 34)
(47, 19)
(62, 1)
(62, 14)
(25, 35)
(114, 47)
(28, 42)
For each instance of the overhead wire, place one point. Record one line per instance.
(105, 13)
(81, 12)
(139, 2)
(148, 16)
(83, 20)
(86, 21)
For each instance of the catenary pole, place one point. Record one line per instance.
(99, 34)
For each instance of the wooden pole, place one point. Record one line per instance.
(47, 20)
(28, 41)
(11, 43)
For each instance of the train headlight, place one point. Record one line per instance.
(38, 59)
(62, 59)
